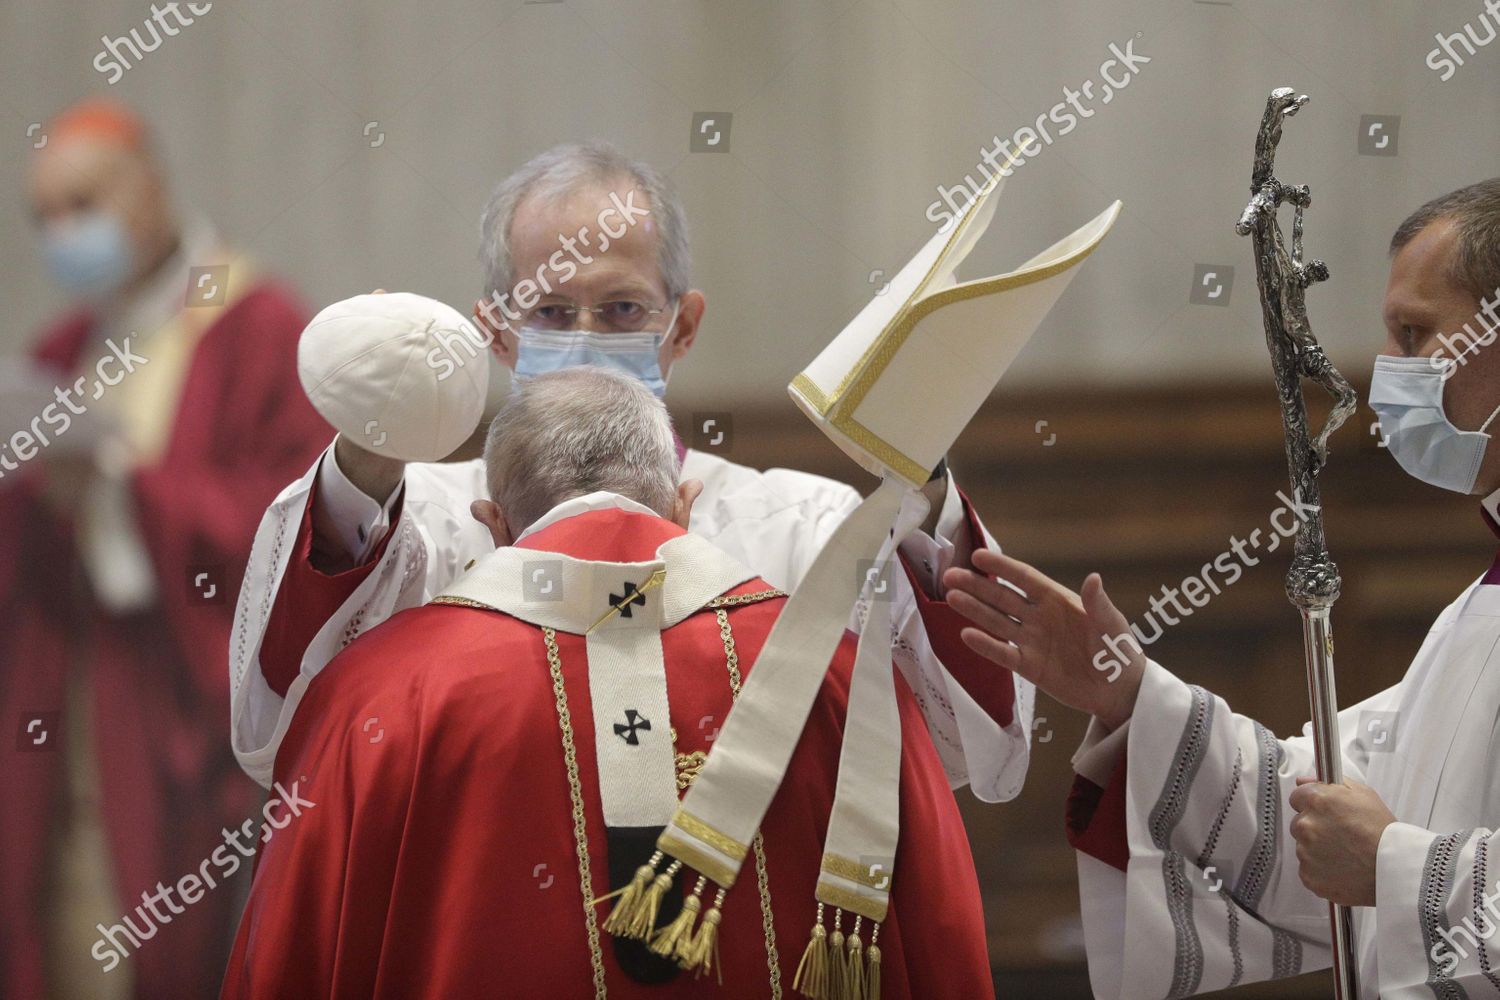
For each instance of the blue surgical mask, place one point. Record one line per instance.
(635, 354)
(1407, 395)
(89, 257)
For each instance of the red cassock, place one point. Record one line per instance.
(158, 680)
(440, 858)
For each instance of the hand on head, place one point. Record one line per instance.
(1079, 650)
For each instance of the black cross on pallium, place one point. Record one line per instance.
(633, 723)
(631, 596)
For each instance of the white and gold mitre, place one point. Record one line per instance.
(929, 332)
(894, 390)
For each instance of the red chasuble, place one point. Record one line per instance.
(157, 680)
(442, 857)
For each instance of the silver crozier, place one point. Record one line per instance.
(1312, 584)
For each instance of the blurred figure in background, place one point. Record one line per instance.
(167, 416)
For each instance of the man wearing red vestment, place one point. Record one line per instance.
(463, 759)
(128, 502)
(361, 535)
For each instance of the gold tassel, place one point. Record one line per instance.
(643, 920)
(673, 939)
(811, 979)
(872, 979)
(630, 897)
(854, 979)
(703, 954)
(837, 964)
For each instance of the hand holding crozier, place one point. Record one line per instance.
(367, 365)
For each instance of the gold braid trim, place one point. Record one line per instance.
(762, 878)
(721, 842)
(767, 918)
(841, 866)
(852, 902)
(462, 602)
(580, 828)
(732, 601)
(692, 854)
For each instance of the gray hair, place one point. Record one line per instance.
(1476, 210)
(563, 170)
(570, 432)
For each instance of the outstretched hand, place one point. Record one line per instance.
(1049, 635)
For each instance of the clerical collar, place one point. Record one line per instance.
(1489, 509)
(599, 500)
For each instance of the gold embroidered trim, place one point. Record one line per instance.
(462, 602)
(852, 902)
(874, 349)
(805, 385)
(580, 827)
(731, 601)
(692, 854)
(721, 842)
(762, 877)
(855, 872)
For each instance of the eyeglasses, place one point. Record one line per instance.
(622, 316)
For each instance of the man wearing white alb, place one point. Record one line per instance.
(1206, 851)
(361, 536)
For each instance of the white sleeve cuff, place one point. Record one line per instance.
(1400, 858)
(930, 557)
(359, 522)
(1405, 953)
(1100, 751)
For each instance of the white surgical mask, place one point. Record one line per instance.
(1407, 395)
(635, 354)
(89, 257)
